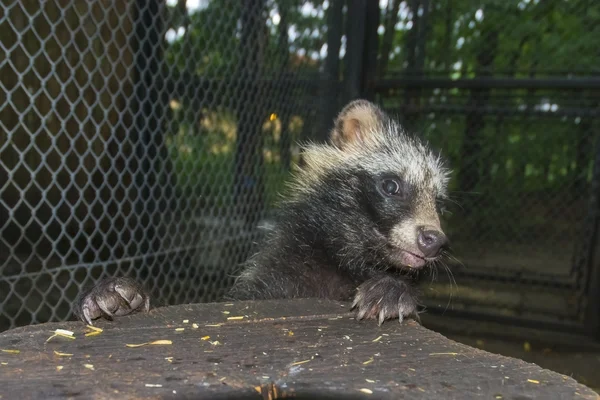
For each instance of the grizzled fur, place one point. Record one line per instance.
(336, 232)
(358, 218)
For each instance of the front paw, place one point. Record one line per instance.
(111, 297)
(385, 298)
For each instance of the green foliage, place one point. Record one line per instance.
(205, 44)
(209, 42)
(203, 160)
(531, 143)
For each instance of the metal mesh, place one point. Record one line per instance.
(507, 93)
(150, 138)
(147, 139)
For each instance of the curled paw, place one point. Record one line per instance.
(385, 298)
(111, 297)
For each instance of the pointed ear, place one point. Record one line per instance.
(356, 123)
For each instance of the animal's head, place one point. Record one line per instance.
(386, 187)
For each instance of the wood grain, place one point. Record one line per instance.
(303, 348)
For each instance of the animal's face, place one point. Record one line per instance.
(399, 182)
(405, 219)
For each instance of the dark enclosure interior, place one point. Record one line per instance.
(152, 139)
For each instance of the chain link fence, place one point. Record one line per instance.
(150, 138)
(145, 138)
(509, 92)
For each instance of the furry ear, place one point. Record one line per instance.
(356, 123)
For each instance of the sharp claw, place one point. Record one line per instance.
(86, 315)
(129, 301)
(381, 318)
(104, 307)
(361, 314)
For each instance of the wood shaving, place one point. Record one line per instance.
(58, 353)
(179, 329)
(377, 339)
(205, 338)
(533, 381)
(235, 318)
(367, 391)
(156, 342)
(61, 333)
(369, 361)
(186, 321)
(370, 380)
(92, 333)
(299, 362)
(94, 328)
(89, 366)
(10, 351)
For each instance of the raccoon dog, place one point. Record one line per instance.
(361, 216)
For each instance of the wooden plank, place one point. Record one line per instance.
(298, 347)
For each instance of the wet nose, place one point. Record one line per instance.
(430, 241)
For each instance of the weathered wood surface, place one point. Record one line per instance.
(300, 348)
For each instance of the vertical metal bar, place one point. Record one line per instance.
(248, 171)
(149, 109)
(330, 97)
(369, 70)
(592, 309)
(355, 45)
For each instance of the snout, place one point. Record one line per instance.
(414, 244)
(431, 241)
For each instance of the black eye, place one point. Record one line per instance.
(391, 187)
